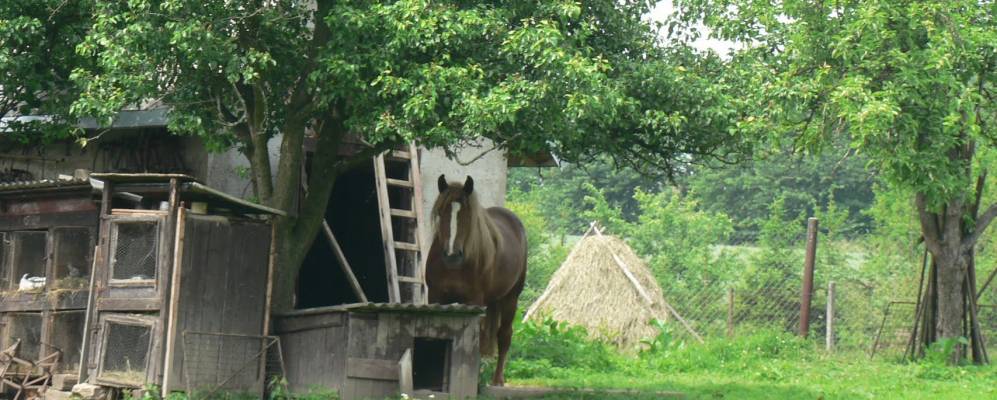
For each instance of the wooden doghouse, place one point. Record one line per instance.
(379, 350)
(176, 257)
(48, 230)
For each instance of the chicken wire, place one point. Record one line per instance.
(126, 352)
(218, 362)
(718, 311)
(25, 328)
(135, 251)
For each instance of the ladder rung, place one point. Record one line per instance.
(399, 182)
(402, 213)
(406, 246)
(399, 155)
(409, 279)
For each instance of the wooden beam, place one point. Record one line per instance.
(343, 264)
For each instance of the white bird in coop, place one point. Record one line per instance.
(35, 282)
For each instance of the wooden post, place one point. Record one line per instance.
(808, 276)
(730, 312)
(830, 317)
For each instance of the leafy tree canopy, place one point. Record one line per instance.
(908, 83)
(581, 79)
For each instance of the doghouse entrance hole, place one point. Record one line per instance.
(28, 256)
(135, 251)
(431, 364)
(126, 349)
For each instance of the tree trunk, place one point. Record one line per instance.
(951, 309)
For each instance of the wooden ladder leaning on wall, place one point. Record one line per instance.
(399, 201)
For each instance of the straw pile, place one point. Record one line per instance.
(591, 290)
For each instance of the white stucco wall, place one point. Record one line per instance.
(489, 173)
(228, 171)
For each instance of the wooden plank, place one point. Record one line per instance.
(399, 155)
(405, 372)
(399, 183)
(371, 368)
(415, 175)
(105, 304)
(396, 212)
(285, 325)
(174, 298)
(88, 320)
(387, 236)
(343, 263)
(48, 220)
(406, 246)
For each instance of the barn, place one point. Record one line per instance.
(361, 326)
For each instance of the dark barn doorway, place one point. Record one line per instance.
(353, 215)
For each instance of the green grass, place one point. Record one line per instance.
(761, 366)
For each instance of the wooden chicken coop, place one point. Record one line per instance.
(48, 231)
(176, 257)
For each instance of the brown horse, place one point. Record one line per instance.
(478, 257)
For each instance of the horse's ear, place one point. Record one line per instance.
(469, 185)
(442, 183)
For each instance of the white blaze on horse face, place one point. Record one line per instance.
(454, 209)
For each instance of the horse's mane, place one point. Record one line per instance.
(483, 238)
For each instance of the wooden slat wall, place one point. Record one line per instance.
(314, 348)
(360, 358)
(222, 288)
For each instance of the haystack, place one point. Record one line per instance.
(606, 288)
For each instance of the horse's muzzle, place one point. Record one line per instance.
(454, 259)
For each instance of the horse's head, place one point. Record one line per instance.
(452, 215)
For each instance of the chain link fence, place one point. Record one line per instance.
(864, 318)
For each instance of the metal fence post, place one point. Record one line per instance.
(808, 276)
(730, 312)
(830, 316)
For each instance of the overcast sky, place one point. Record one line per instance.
(664, 9)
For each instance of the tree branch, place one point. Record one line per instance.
(981, 226)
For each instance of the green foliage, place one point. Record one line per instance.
(762, 365)
(671, 233)
(544, 255)
(37, 54)
(561, 191)
(806, 183)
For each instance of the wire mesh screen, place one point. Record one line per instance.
(26, 328)
(67, 337)
(4, 263)
(28, 256)
(135, 251)
(126, 352)
(894, 331)
(716, 310)
(216, 362)
(73, 250)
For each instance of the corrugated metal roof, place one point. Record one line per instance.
(43, 184)
(392, 307)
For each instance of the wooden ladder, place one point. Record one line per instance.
(400, 225)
